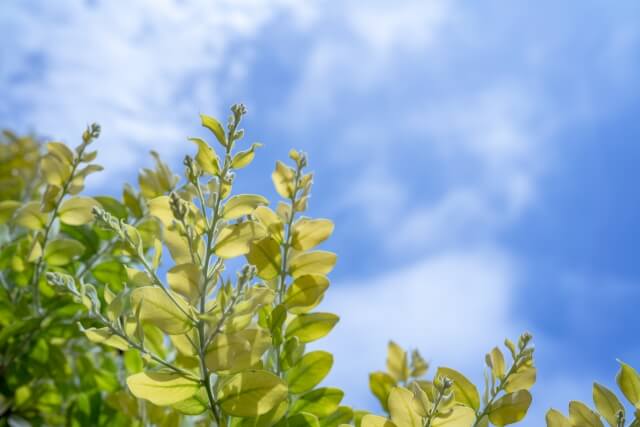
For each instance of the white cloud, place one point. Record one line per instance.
(454, 307)
(143, 71)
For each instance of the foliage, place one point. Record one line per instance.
(450, 399)
(608, 408)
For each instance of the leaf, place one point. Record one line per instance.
(523, 379)
(311, 326)
(224, 351)
(629, 382)
(251, 393)
(401, 408)
(607, 403)
(162, 388)
(510, 408)
(242, 204)
(113, 206)
(186, 280)
(265, 255)
(397, 364)
(273, 223)
(195, 405)
(157, 308)
(305, 293)
(581, 415)
(283, 179)
(30, 216)
(243, 158)
(206, 158)
(314, 262)
(61, 152)
(555, 419)
(303, 419)
(495, 360)
(54, 170)
(77, 210)
(321, 402)
(61, 252)
(459, 416)
(381, 385)
(161, 209)
(376, 421)
(309, 233)
(234, 240)
(342, 416)
(310, 370)
(7, 209)
(215, 127)
(465, 391)
(106, 337)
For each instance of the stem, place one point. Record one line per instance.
(501, 385)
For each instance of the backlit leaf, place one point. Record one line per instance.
(305, 293)
(510, 408)
(242, 204)
(607, 403)
(401, 408)
(61, 252)
(243, 158)
(465, 391)
(157, 308)
(234, 240)
(314, 262)
(283, 179)
(311, 326)
(186, 280)
(581, 415)
(215, 127)
(206, 158)
(629, 382)
(309, 371)
(162, 388)
(321, 402)
(309, 233)
(77, 210)
(251, 393)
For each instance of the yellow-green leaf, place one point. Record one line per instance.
(495, 360)
(283, 179)
(607, 403)
(381, 384)
(397, 364)
(314, 262)
(186, 280)
(311, 326)
(305, 293)
(251, 393)
(234, 240)
(459, 416)
(225, 350)
(30, 216)
(273, 223)
(243, 158)
(242, 204)
(555, 419)
(159, 309)
(401, 408)
(581, 415)
(309, 233)
(62, 251)
(206, 157)
(77, 210)
(629, 382)
(321, 402)
(510, 408)
(522, 379)
(265, 255)
(162, 388)
(106, 337)
(309, 371)
(7, 209)
(161, 209)
(54, 170)
(215, 127)
(465, 392)
(376, 421)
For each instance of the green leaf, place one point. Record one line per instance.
(242, 204)
(523, 379)
(510, 408)
(111, 272)
(314, 262)
(270, 220)
(62, 251)
(157, 308)
(555, 419)
(303, 419)
(309, 371)
(397, 364)
(465, 391)
(283, 179)
(495, 360)
(234, 240)
(186, 280)
(305, 293)
(607, 403)
(215, 127)
(162, 388)
(309, 233)
(401, 408)
(7, 209)
(106, 337)
(629, 382)
(581, 415)
(113, 206)
(251, 393)
(376, 421)
(206, 157)
(30, 216)
(194, 405)
(225, 351)
(311, 326)
(77, 210)
(459, 416)
(321, 402)
(265, 255)
(342, 415)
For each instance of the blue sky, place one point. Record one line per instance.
(479, 159)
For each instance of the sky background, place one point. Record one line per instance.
(479, 159)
